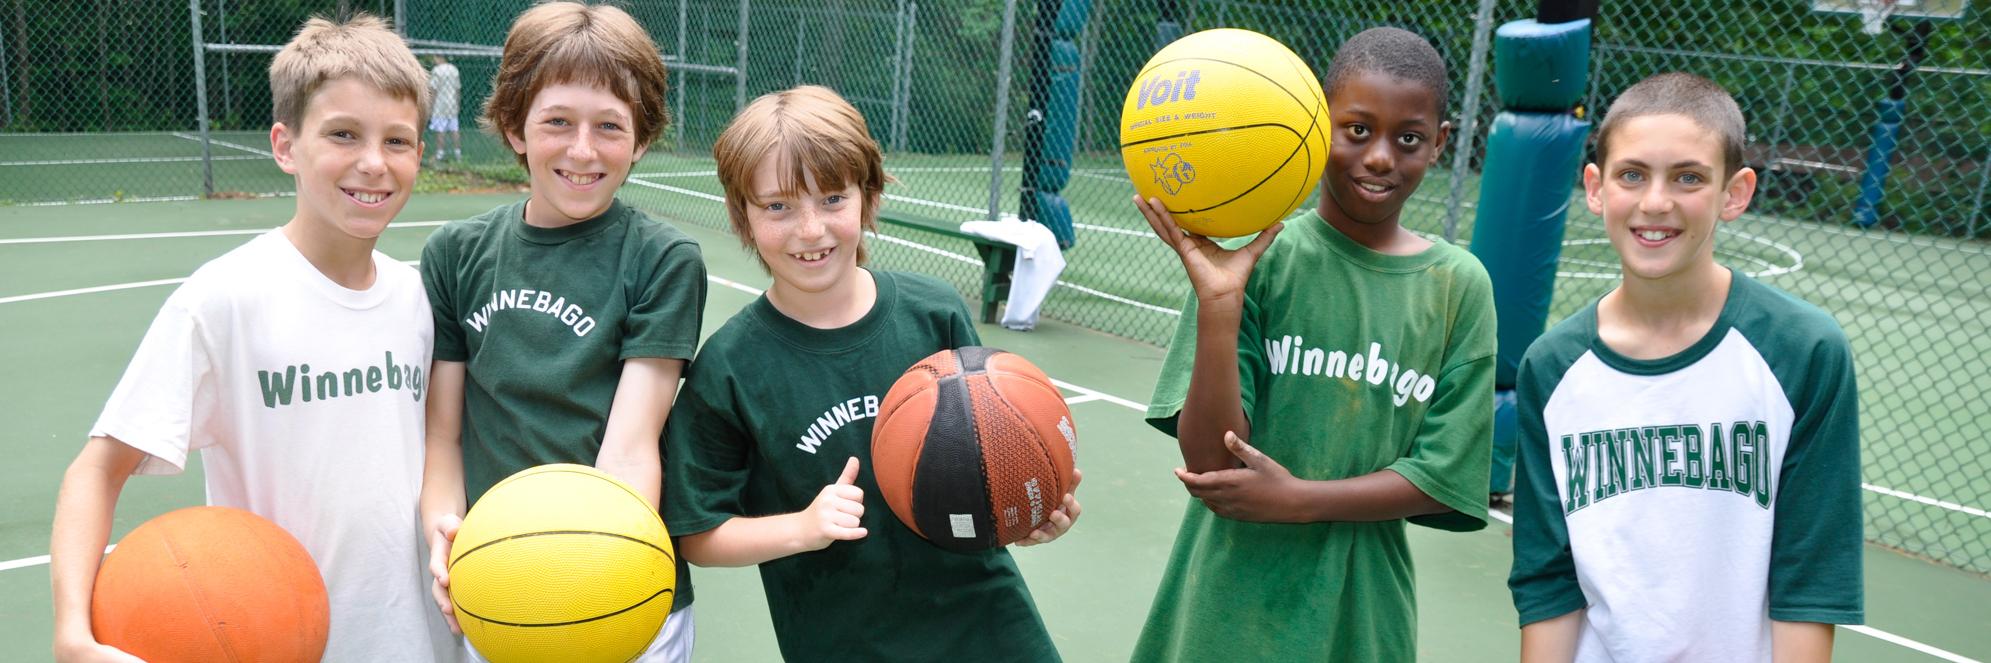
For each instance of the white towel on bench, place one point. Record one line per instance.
(1038, 263)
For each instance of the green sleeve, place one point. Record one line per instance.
(1172, 386)
(667, 304)
(439, 279)
(1816, 544)
(705, 455)
(961, 326)
(1450, 456)
(1543, 578)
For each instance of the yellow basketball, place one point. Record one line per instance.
(562, 563)
(1228, 128)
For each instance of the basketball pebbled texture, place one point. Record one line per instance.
(1228, 128)
(562, 562)
(974, 448)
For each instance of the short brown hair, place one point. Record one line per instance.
(569, 42)
(363, 48)
(814, 131)
(1680, 93)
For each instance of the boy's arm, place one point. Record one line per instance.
(1552, 640)
(442, 500)
(1214, 404)
(836, 515)
(629, 449)
(1800, 642)
(83, 510)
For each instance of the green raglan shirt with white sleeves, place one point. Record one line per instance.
(1350, 362)
(1690, 500)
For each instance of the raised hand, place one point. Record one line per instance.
(1217, 273)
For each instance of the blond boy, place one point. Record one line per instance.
(296, 362)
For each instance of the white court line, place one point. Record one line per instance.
(196, 233)
(78, 162)
(38, 560)
(227, 144)
(1085, 395)
(1959, 508)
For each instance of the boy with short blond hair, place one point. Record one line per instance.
(297, 363)
(1325, 388)
(562, 321)
(1689, 476)
(754, 479)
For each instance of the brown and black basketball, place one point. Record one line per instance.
(973, 448)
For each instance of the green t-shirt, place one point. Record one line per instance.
(769, 414)
(544, 317)
(1350, 361)
(1687, 501)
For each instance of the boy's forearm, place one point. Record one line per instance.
(442, 442)
(744, 541)
(1800, 642)
(1215, 402)
(1552, 640)
(84, 507)
(636, 419)
(1376, 496)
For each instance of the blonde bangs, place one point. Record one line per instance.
(813, 134)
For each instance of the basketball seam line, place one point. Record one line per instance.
(1254, 72)
(639, 604)
(200, 600)
(493, 542)
(1254, 187)
(617, 483)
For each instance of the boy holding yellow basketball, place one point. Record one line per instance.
(562, 321)
(767, 446)
(295, 362)
(1689, 477)
(1329, 381)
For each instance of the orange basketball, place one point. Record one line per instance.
(211, 583)
(973, 448)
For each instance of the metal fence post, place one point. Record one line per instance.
(677, 127)
(200, 100)
(1002, 109)
(1469, 125)
(895, 134)
(6, 88)
(801, 37)
(740, 61)
(1977, 202)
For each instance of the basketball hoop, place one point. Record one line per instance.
(1874, 14)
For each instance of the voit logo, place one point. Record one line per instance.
(1162, 89)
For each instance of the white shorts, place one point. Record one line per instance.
(440, 124)
(673, 643)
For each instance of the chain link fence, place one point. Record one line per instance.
(100, 104)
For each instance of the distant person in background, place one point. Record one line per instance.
(444, 86)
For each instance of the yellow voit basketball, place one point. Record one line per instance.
(1228, 128)
(562, 563)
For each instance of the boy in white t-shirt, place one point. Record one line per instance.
(297, 362)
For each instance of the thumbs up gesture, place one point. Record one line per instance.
(835, 514)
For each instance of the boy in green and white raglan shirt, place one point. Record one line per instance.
(563, 321)
(1689, 478)
(1357, 359)
(765, 450)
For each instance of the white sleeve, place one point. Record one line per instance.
(165, 392)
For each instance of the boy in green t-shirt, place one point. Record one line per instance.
(766, 446)
(1689, 475)
(562, 321)
(1327, 383)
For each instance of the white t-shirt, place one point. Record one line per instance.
(444, 84)
(306, 398)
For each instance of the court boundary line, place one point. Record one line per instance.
(1869, 487)
(191, 233)
(123, 160)
(1085, 395)
(223, 143)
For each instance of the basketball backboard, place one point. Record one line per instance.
(1874, 13)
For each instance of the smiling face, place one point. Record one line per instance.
(1661, 193)
(579, 143)
(354, 153)
(1387, 131)
(809, 239)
